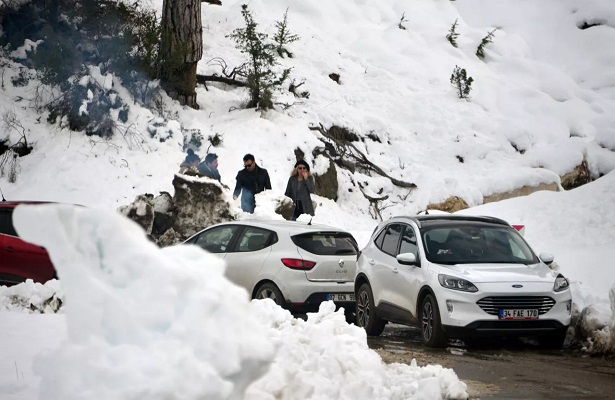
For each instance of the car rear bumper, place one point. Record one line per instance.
(312, 303)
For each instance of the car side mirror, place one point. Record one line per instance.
(546, 258)
(407, 259)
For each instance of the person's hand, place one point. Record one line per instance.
(304, 174)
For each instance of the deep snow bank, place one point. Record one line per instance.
(165, 324)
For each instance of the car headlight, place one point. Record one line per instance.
(452, 282)
(560, 284)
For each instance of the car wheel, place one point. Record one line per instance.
(270, 291)
(554, 340)
(366, 312)
(431, 326)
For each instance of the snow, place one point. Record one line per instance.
(134, 320)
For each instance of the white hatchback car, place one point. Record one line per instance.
(295, 264)
(459, 276)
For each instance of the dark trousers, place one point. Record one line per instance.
(298, 211)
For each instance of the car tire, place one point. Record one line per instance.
(366, 312)
(270, 291)
(431, 325)
(554, 340)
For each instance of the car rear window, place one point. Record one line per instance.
(327, 244)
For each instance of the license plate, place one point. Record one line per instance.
(340, 296)
(518, 314)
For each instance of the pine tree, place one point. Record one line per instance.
(461, 82)
(452, 34)
(283, 36)
(480, 51)
(261, 80)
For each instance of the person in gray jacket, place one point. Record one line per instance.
(300, 185)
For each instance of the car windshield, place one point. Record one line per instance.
(475, 243)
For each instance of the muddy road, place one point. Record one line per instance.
(506, 369)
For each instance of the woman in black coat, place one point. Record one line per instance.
(300, 185)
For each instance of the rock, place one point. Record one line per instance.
(141, 210)
(579, 176)
(169, 237)
(164, 214)
(167, 220)
(326, 185)
(285, 207)
(523, 191)
(451, 205)
(199, 204)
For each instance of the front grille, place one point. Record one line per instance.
(492, 305)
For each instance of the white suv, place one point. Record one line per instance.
(459, 276)
(295, 264)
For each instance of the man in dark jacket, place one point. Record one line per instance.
(250, 181)
(209, 167)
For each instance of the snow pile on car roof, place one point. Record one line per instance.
(166, 323)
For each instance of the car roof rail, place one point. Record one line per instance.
(453, 217)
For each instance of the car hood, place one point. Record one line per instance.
(485, 273)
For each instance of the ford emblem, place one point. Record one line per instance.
(517, 286)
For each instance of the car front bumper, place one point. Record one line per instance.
(462, 316)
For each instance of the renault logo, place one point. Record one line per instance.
(517, 286)
(340, 263)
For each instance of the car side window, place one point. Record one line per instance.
(216, 240)
(379, 238)
(390, 242)
(254, 239)
(6, 223)
(408, 241)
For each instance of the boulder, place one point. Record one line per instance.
(326, 185)
(199, 203)
(141, 210)
(579, 176)
(451, 205)
(522, 191)
(285, 207)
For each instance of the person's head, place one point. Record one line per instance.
(191, 158)
(301, 166)
(211, 160)
(248, 162)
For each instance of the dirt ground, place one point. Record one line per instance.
(506, 369)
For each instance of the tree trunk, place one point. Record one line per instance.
(181, 48)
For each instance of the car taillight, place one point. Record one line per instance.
(295, 263)
(520, 229)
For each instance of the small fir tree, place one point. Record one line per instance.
(461, 82)
(283, 36)
(261, 80)
(480, 51)
(452, 34)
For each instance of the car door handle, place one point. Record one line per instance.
(371, 261)
(395, 271)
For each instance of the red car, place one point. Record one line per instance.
(20, 260)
